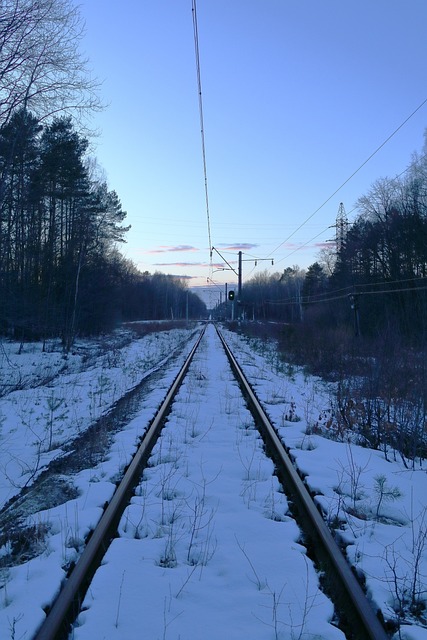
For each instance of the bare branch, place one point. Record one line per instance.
(41, 67)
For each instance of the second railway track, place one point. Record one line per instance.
(206, 546)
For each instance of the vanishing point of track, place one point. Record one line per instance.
(343, 587)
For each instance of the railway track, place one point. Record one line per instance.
(188, 508)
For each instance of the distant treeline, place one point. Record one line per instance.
(60, 270)
(372, 282)
(358, 316)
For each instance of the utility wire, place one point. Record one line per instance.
(399, 175)
(301, 246)
(383, 282)
(352, 288)
(330, 226)
(202, 128)
(310, 300)
(352, 175)
(367, 293)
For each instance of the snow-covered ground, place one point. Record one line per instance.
(206, 548)
(381, 506)
(58, 399)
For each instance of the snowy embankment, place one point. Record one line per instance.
(379, 506)
(56, 401)
(58, 397)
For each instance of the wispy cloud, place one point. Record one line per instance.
(325, 245)
(181, 264)
(172, 249)
(242, 246)
(295, 246)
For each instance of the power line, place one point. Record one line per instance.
(382, 283)
(307, 300)
(352, 175)
(367, 293)
(352, 288)
(302, 245)
(399, 175)
(330, 296)
(355, 289)
(202, 128)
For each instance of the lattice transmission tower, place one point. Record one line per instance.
(341, 227)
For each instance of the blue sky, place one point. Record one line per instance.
(296, 96)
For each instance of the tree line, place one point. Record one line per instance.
(55, 224)
(60, 269)
(358, 316)
(373, 282)
(61, 273)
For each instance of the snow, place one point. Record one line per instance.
(388, 548)
(60, 396)
(206, 548)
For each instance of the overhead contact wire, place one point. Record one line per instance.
(202, 128)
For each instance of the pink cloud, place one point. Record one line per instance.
(295, 246)
(180, 264)
(325, 245)
(171, 249)
(242, 246)
(219, 265)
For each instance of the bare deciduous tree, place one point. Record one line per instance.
(41, 67)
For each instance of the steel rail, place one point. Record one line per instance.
(66, 606)
(365, 624)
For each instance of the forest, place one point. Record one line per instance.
(358, 315)
(61, 272)
(372, 280)
(61, 225)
